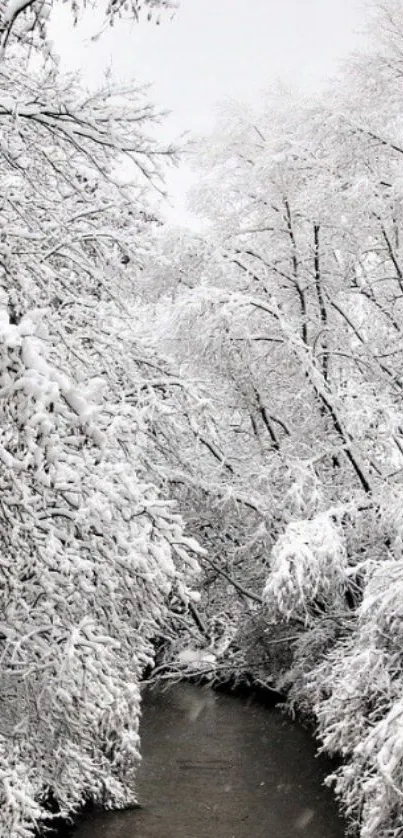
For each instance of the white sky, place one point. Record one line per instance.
(212, 50)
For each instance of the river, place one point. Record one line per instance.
(219, 766)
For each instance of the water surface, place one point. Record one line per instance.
(218, 766)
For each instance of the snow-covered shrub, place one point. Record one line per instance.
(360, 710)
(308, 569)
(332, 580)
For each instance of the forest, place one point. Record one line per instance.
(201, 435)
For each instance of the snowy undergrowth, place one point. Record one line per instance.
(346, 671)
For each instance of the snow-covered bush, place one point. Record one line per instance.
(346, 670)
(360, 712)
(308, 569)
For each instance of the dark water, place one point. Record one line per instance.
(216, 766)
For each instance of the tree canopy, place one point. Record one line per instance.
(26, 20)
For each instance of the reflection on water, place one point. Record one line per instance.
(216, 766)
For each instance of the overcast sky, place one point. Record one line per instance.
(212, 50)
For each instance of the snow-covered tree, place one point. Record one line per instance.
(288, 309)
(26, 20)
(91, 554)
